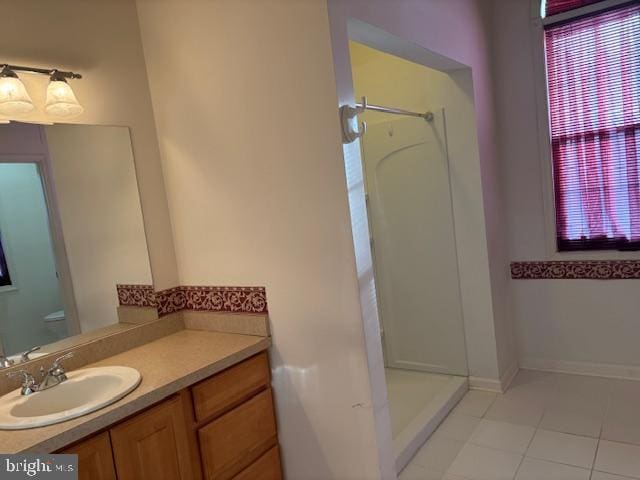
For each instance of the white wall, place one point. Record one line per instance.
(558, 321)
(101, 40)
(24, 226)
(99, 205)
(246, 111)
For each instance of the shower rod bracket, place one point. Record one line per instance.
(348, 113)
(349, 125)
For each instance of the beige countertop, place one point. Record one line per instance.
(167, 365)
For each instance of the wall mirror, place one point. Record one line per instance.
(71, 228)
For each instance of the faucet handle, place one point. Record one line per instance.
(28, 382)
(57, 361)
(25, 356)
(56, 368)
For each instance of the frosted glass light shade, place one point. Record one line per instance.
(61, 101)
(14, 99)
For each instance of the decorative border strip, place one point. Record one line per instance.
(576, 269)
(170, 301)
(136, 295)
(248, 300)
(226, 299)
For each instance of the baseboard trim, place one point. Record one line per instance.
(495, 385)
(487, 384)
(508, 376)
(627, 372)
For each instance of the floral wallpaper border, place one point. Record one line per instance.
(576, 269)
(247, 300)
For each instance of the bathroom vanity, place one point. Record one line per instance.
(203, 410)
(224, 424)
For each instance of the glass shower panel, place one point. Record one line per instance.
(413, 238)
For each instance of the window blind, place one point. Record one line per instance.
(593, 74)
(553, 7)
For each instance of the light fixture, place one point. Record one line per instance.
(14, 98)
(61, 101)
(15, 101)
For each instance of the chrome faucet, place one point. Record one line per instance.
(25, 356)
(55, 375)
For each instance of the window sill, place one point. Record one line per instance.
(8, 288)
(594, 255)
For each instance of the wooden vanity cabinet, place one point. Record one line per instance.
(222, 428)
(153, 444)
(95, 458)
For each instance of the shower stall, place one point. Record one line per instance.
(409, 206)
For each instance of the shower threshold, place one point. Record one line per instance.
(418, 403)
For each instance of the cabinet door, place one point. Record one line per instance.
(235, 440)
(95, 460)
(153, 445)
(267, 467)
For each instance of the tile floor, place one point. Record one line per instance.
(545, 427)
(409, 393)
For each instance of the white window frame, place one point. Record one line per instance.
(544, 132)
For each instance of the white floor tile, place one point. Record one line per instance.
(480, 463)
(574, 414)
(502, 436)
(622, 423)
(606, 476)
(458, 427)
(512, 410)
(475, 403)
(532, 469)
(589, 388)
(622, 426)
(618, 458)
(438, 453)
(528, 377)
(416, 472)
(532, 386)
(563, 448)
(450, 476)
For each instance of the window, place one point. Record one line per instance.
(593, 79)
(5, 279)
(553, 7)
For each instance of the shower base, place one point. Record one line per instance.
(418, 402)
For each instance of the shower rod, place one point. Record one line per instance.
(428, 116)
(348, 113)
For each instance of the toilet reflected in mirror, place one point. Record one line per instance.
(56, 324)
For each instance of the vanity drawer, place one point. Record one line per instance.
(267, 467)
(230, 387)
(235, 440)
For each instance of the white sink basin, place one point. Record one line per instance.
(85, 391)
